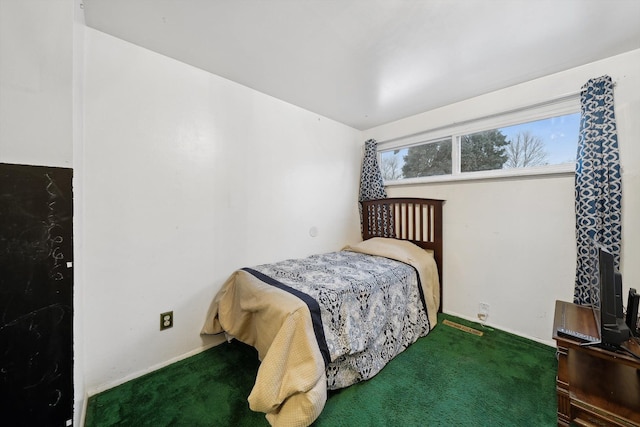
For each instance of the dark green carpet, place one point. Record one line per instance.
(447, 378)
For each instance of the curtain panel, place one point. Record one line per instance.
(372, 188)
(371, 182)
(598, 185)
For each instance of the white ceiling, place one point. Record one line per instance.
(369, 62)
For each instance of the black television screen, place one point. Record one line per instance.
(608, 302)
(607, 279)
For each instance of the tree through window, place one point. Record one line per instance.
(535, 144)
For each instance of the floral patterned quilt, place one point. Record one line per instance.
(371, 308)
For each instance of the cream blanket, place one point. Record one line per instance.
(291, 386)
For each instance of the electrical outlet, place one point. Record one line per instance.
(166, 320)
(483, 312)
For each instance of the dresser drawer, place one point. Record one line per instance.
(583, 416)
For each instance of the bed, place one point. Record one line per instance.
(331, 320)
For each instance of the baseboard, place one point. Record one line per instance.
(133, 376)
(83, 412)
(549, 343)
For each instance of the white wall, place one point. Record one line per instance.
(511, 242)
(188, 176)
(36, 81)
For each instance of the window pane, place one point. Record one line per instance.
(429, 159)
(551, 141)
(483, 151)
(540, 143)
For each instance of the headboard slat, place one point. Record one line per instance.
(414, 219)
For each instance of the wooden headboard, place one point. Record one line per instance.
(413, 219)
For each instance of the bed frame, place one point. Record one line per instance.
(413, 219)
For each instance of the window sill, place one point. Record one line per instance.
(539, 172)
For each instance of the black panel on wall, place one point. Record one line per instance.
(36, 295)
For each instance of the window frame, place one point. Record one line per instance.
(568, 104)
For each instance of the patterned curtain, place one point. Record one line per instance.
(598, 183)
(372, 184)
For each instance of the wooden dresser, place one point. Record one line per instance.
(595, 387)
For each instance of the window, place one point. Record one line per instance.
(428, 159)
(534, 140)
